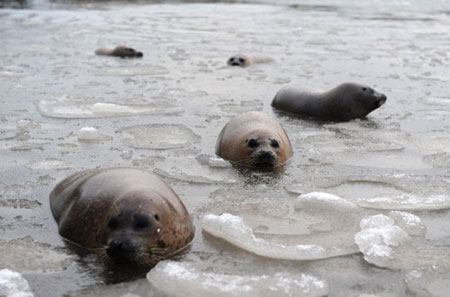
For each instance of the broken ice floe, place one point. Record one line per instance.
(377, 238)
(212, 161)
(321, 200)
(13, 284)
(159, 136)
(183, 279)
(236, 231)
(431, 282)
(91, 134)
(27, 255)
(66, 109)
(195, 179)
(407, 202)
(49, 163)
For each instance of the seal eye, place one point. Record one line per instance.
(252, 143)
(156, 217)
(364, 89)
(141, 222)
(241, 60)
(274, 143)
(113, 223)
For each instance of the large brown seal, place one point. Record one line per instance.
(254, 140)
(119, 51)
(125, 214)
(342, 103)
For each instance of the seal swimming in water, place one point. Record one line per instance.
(119, 51)
(127, 215)
(342, 103)
(254, 140)
(245, 61)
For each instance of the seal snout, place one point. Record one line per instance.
(121, 250)
(264, 159)
(380, 99)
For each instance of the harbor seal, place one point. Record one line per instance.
(342, 103)
(254, 140)
(245, 61)
(126, 215)
(119, 51)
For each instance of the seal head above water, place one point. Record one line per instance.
(120, 51)
(254, 140)
(126, 215)
(342, 103)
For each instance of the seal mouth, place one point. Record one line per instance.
(234, 64)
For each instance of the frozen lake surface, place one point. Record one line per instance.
(369, 198)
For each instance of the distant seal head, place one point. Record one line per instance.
(242, 60)
(125, 215)
(119, 51)
(342, 103)
(254, 140)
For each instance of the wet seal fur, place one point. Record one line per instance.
(245, 60)
(119, 51)
(254, 140)
(125, 215)
(342, 103)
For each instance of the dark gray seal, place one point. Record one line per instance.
(342, 103)
(126, 215)
(119, 51)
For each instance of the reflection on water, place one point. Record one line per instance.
(65, 109)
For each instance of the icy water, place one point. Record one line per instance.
(382, 229)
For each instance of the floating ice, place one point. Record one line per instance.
(321, 200)
(27, 255)
(13, 284)
(159, 136)
(66, 109)
(213, 161)
(195, 179)
(429, 282)
(378, 237)
(88, 134)
(236, 231)
(182, 279)
(49, 163)
(9, 74)
(412, 224)
(407, 202)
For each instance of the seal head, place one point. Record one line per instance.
(125, 215)
(120, 51)
(239, 60)
(255, 141)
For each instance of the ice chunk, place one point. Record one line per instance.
(194, 179)
(412, 224)
(378, 237)
(13, 284)
(88, 134)
(67, 109)
(27, 255)
(235, 230)
(49, 163)
(213, 161)
(432, 282)
(407, 202)
(183, 279)
(159, 136)
(321, 200)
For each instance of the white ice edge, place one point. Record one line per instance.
(234, 230)
(407, 202)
